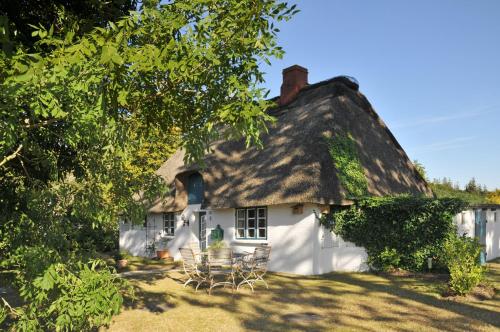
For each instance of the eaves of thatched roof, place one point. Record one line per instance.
(294, 165)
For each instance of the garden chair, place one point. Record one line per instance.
(220, 265)
(195, 246)
(192, 268)
(252, 268)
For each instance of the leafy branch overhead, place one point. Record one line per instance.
(189, 65)
(83, 105)
(87, 115)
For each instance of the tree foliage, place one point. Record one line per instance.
(21, 15)
(73, 296)
(86, 115)
(446, 188)
(67, 115)
(493, 197)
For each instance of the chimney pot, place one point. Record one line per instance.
(294, 79)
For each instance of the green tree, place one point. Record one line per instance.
(79, 108)
(472, 186)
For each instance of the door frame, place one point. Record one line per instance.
(203, 242)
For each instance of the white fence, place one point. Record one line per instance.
(483, 222)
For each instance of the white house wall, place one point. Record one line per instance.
(289, 235)
(332, 253)
(465, 223)
(297, 240)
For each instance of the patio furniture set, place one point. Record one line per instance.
(223, 267)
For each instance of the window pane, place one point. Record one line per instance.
(262, 232)
(241, 214)
(241, 224)
(262, 213)
(262, 222)
(241, 233)
(251, 232)
(251, 213)
(251, 223)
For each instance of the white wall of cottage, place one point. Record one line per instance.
(299, 244)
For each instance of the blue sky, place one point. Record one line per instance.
(431, 69)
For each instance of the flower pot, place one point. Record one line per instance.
(162, 254)
(121, 263)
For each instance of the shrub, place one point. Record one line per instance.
(387, 260)
(122, 254)
(414, 227)
(461, 255)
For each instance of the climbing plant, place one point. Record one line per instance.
(410, 228)
(343, 151)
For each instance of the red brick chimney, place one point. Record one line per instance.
(294, 79)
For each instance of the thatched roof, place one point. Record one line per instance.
(294, 165)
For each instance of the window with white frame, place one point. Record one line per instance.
(251, 223)
(168, 223)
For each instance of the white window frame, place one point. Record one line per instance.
(257, 216)
(169, 223)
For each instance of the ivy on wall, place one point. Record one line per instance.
(410, 228)
(342, 149)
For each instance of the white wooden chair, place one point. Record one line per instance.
(252, 268)
(193, 269)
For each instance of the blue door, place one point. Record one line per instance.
(480, 231)
(195, 188)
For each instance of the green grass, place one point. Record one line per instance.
(139, 263)
(343, 301)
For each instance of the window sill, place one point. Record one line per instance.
(170, 237)
(249, 241)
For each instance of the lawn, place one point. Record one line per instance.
(336, 301)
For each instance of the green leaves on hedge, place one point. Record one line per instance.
(411, 228)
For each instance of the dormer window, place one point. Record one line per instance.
(195, 188)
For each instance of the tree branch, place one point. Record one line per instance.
(12, 156)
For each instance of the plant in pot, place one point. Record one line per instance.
(121, 259)
(162, 251)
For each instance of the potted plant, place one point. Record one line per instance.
(162, 251)
(121, 259)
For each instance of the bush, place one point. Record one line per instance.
(387, 260)
(461, 255)
(414, 227)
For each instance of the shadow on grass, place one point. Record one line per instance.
(333, 301)
(327, 291)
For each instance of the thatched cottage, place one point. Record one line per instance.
(271, 195)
